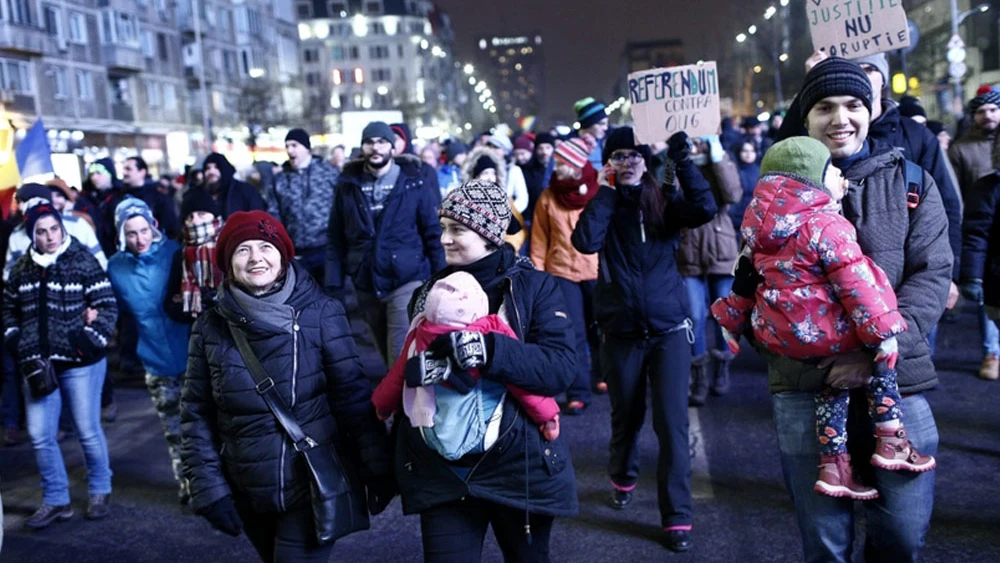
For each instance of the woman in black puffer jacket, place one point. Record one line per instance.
(513, 480)
(241, 466)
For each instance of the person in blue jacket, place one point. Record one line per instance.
(138, 273)
(643, 311)
(514, 480)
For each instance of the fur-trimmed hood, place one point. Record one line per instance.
(470, 164)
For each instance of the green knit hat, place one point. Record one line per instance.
(804, 157)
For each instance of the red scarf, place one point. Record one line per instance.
(199, 269)
(567, 191)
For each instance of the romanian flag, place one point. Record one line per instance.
(527, 123)
(31, 161)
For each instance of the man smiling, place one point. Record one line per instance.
(910, 243)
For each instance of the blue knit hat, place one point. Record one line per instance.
(589, 111)
(134, 207)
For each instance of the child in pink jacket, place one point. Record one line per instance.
(456, 302)
(821, 296)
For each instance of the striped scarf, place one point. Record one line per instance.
(199, 269)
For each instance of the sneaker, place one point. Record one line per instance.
(601, 388)
(12, 436)
(990, 369)
(620, 499)
(97, 507)
(574, 408)
(47, 514)
(894, 452)
(110, 412)
(836, 479)
(678, 540)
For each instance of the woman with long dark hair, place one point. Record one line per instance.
(642, 308)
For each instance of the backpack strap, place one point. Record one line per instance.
(914, 184)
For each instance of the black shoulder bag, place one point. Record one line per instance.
(337, 510)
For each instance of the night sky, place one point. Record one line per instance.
(584, 39)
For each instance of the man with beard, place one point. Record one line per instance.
(231, 194)
(384, 232)
(300, 197)
(538, 171)
(971, 157)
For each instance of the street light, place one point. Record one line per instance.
(752, 29)
(977, 10)
(469, 69)
(741, 38)
(956, 20)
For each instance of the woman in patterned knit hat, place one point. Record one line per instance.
(59, 312)
(514, 481)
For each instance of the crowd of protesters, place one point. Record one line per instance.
(833, 239)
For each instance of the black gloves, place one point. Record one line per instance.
(678, 147)
(427, 368)
(468, 349)
(745, 278)
(380, 493)
(222, 515)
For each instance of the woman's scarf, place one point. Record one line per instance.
(199, 269)
(575, 193)
(46, 260)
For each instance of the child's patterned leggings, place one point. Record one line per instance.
(831, 409)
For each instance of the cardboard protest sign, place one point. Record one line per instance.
(680, 98)
(855, 28)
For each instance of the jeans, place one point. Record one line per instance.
(897, 521)
(665, 361)
(703, 290)
(387, 319)
(454, 532)
(81, 387)
(991, 335)
(579, 297)
(285, 537)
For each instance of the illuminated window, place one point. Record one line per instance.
(359, 75)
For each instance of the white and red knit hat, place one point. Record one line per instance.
(572, 152)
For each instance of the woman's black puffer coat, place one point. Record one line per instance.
(232, 443)
(521, 470)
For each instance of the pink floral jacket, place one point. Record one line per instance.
(821, 295)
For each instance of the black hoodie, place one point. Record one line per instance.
(233, 195)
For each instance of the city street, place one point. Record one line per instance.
(742, 512)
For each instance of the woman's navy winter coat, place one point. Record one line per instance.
(639, 291)
(521, 470)
(232, 442)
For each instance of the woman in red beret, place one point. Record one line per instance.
(242, 467)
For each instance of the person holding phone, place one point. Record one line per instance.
(642, 308)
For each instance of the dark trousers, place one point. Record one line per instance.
(314, 262)
(454, 532)
(666, 361)
(11, 400)
(282, 538)
(579, 297)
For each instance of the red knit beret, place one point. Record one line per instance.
(251, 225)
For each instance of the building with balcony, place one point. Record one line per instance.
(115, 76)
(377, 55)
(513, 67)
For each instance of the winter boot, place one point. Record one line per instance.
(893, 451)
(699, 380)
(720, 383)
(836, 479)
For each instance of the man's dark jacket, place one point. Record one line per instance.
(401, 246)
